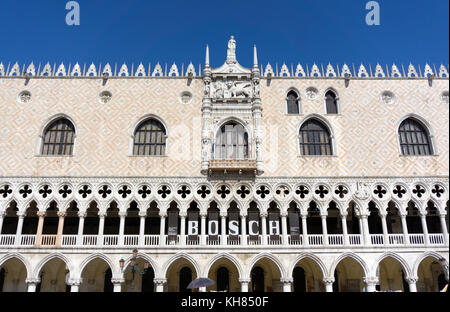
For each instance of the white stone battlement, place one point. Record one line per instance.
(189, 70)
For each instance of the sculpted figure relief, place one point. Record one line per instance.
(232, 89)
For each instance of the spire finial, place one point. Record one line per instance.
(255, 56)
(207, 56)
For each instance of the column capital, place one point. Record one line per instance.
(61, 214)
(263, 214)
(344, 215)
(324, 215)
(160, 281)
(423, 213)
(244, 280)
(163, 214)
(243, 214)
(122, 214)
(287, 280)
(304, 214)
(102, 214)
(82, 214)
(75, 281)
(2, 214)
(371, 280)
(41, 214)
(203, 214)
(223, 214)
(328, 280)
(412, 280)
(142, 214)
(32, 281)
(117, 280)
(20, 214)
(284, 214)
(182, 214)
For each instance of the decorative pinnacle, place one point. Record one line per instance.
(207, 56)
(255, 56)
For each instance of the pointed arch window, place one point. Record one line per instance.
(315, 139)
(59, 138)
(414, 138)
(231, 142)
(331, 102)
(293, 106)
(150, 139)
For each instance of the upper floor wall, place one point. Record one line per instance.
(364, 132)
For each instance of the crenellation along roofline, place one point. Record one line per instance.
(268, 72)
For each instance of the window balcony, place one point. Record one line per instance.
(234, 167)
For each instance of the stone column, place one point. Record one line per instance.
(81, 216)
(223, 216)
(21, 216)
(284, 229)
(244, 284)
(287, 284)
(443, 227)
(371, 283)
(423, 218)
(264, 228)
(324, 229)
(41, 215)
(101, 227)
(162, 233)
(142, 216)
(405, 227)
(183, 216)
(117, 282)
(203, 229)
(412, 283)
(244, 229)
(345, 230)
(305, 229)
(75, 285)
(59, 234)
(122, 215)
(328, 284)
(366, 235)
(32, 283)
(384, 226)
(160, 282)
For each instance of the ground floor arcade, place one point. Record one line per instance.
(232, 272)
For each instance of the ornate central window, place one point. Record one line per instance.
(231, 142)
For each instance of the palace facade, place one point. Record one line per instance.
(306, 178)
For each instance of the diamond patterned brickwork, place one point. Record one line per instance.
(365, 131)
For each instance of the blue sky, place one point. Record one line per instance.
(170, 31)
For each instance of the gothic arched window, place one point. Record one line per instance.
(59, 138)
(293, 106)
(331, 102)
(414, 138)
(231, 142)
(315, 139)
(150, 139)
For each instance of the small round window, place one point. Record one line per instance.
(186, 97)
(24, 97)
